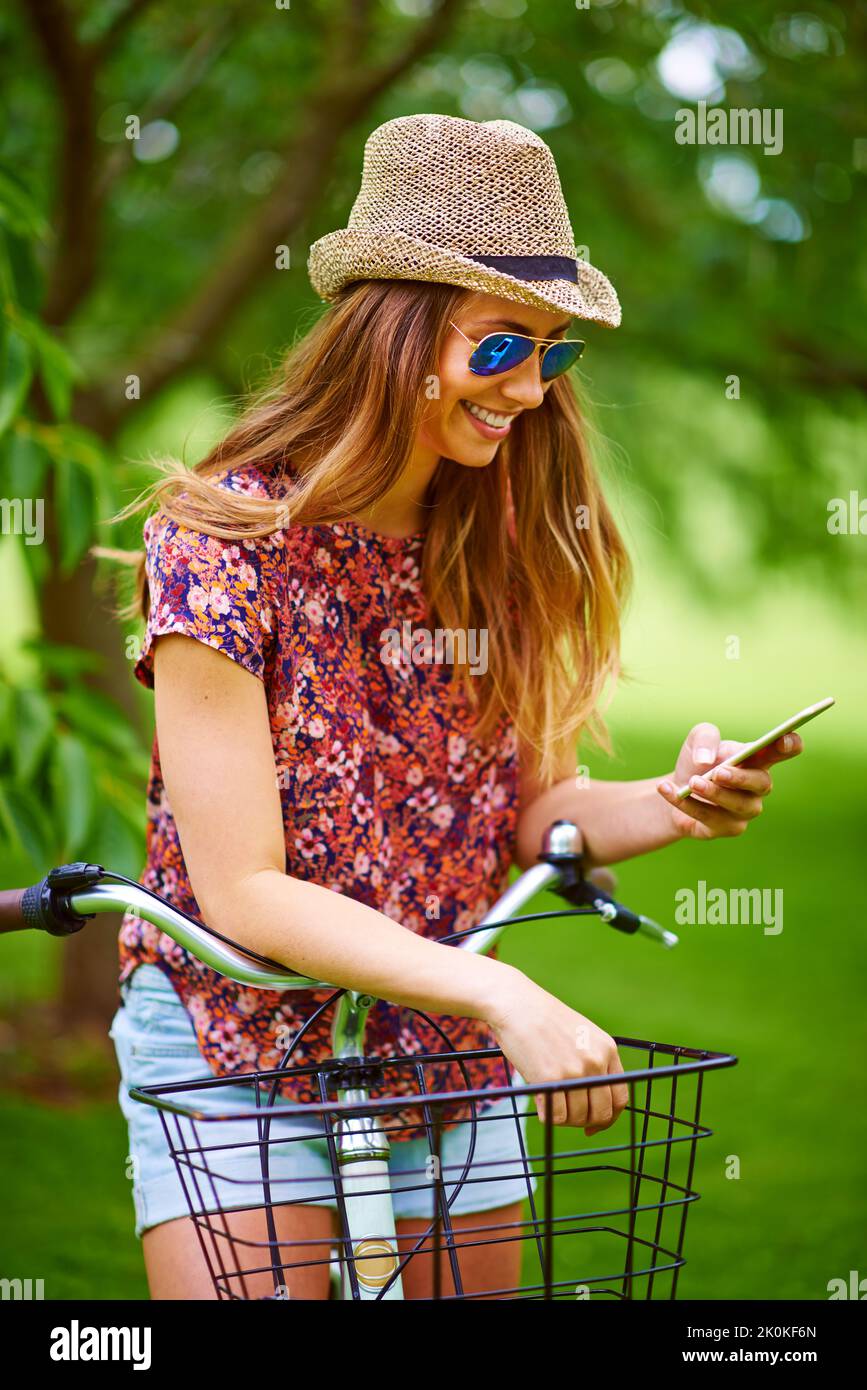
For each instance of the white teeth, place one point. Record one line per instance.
(496, 421)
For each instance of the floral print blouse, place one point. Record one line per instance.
(386, 794)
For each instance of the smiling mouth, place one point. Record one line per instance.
(491, 423)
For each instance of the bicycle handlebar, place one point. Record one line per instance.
(73, 893)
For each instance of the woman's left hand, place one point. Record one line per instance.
(725, 804)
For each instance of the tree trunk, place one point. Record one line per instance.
(347, 86)
(74, 613)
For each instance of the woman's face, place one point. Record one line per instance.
(451, 429)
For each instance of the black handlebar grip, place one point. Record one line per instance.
(613, 912)
(47, 910)
(46, 906)
(37, 908)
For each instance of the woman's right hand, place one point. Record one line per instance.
(547, 1041)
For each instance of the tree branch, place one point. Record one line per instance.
(174, 91)
(85, 173)
(331, 106)
(425, 38)
(819, 371)
(105, 45)
(76, 213)
(56, 36)
(350, 34)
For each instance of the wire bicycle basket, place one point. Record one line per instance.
(620, 1234)
(601, 1217)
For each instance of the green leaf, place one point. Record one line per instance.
(26, 464)
(75, 506)
(73, 789)
(28, 826)
(85, 448)
(34, 725)
(6, 717)
(7, 277)
(100, 720)
(21, 278)
(18, 211)
(113, 844)
(17, 375)
(57, 368)
(37, 562)
(126, 794)
(71, 441)
(66, 663)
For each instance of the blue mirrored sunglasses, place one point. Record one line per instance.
(500, 352)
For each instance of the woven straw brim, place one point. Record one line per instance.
(352, 254)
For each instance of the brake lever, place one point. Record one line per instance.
(560, 848)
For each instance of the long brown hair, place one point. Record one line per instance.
(525, 547)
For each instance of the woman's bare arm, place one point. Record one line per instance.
(218, 767)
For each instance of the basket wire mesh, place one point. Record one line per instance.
(589, 1218)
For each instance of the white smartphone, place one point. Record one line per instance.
(750, 748)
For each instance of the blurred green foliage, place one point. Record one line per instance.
(729, 409)
(730, 263)
(71, 765)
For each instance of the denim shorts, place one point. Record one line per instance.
(156, 1044)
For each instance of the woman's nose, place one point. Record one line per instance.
(524, 384)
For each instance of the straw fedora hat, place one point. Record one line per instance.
(470, 203)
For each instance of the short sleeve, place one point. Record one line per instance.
(221, 592)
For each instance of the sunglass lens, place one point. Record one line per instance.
(499, 352)
(560, 357)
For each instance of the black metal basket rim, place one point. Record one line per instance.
(154, 1095)
(416, 1059)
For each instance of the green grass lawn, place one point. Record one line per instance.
(69, 1217)
(790, 1006)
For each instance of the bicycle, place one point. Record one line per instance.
(365, 1261)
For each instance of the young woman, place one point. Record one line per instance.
(420, 459)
